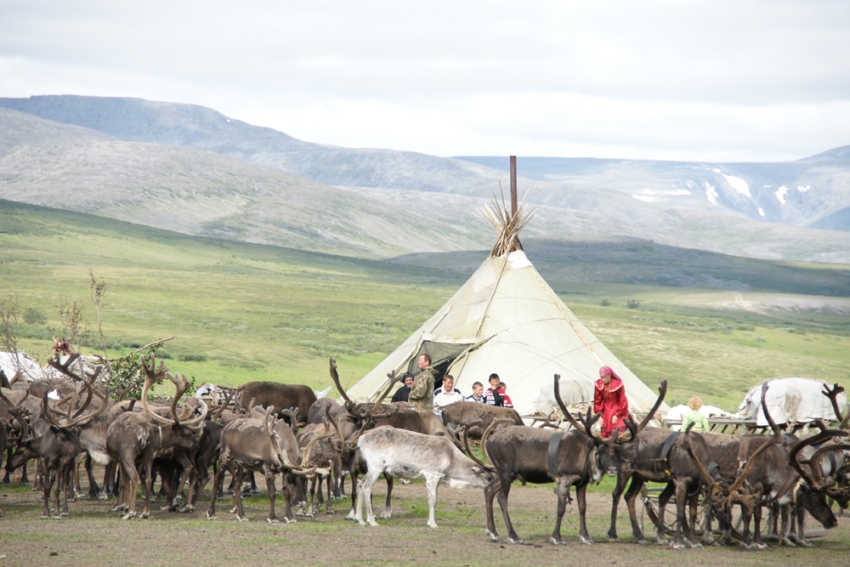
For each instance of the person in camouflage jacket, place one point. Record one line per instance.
(422, 393)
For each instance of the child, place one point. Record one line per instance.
(695, 416)
(477, 393)
(506, 401)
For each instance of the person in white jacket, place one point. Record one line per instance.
(446, 394)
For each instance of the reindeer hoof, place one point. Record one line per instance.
(241, 518)
(145, 515)
(695, 545)
(512, 540)
(211, 517)
(585, 540)
(290, 520)
(128, 516)
(187, 508)
(677, 545)
(788, 542)
(493, 536)
(554, 541)
(272, 521)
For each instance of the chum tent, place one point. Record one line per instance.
(506, 319)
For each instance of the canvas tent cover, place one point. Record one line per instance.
(506, 319)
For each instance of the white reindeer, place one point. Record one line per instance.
(406, 454)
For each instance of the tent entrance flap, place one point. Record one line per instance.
(442, 357)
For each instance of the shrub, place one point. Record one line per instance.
(632, 303)
(33, 316)
(604, 303)
(193, 357)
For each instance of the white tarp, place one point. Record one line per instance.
(790, 400)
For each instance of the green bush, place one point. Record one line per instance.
(193, 357)
(33, 316)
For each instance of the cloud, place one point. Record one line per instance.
(719, 80)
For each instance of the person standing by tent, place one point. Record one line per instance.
(402, 394)
(421, 394)
(609, 399)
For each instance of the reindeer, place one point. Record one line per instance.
(538, 456)
(57, 448)
(456, 415)
(398, 452)
(771, 471)
(134, 440)
(261, 443)
(355, 421)
(656, 455)
(277, 396)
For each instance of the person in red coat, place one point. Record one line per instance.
(609, 399)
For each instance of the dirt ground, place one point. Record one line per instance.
(94, 536)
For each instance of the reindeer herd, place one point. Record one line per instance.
(306, 448)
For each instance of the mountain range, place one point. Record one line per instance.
(191, 169)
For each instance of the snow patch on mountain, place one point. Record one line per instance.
(738, 185)
(710, 193)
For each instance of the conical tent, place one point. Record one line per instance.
(506, 319)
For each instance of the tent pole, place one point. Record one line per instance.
(513, 187)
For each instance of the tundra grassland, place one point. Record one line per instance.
(240, 312)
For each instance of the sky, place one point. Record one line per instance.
(715, 80)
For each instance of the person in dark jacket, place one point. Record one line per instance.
(492, 395)
(402, 394)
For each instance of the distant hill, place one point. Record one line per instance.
(203, 193)
(156, 163)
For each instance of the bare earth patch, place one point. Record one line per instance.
(94, 536)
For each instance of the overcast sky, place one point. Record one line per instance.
(711, 80)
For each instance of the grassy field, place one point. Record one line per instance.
(241, 312)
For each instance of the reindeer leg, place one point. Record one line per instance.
(784, 527)
(562, 490)
(489, 494)
(693, 503)
(269, 474)
(365, 494)
(67, 484)
(352, 514)
(663, 498)
(630, 497)
(622, 479)
(48, 485)
(237, 494)
(388, 506)
(431, 484)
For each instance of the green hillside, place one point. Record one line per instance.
(243, 312)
